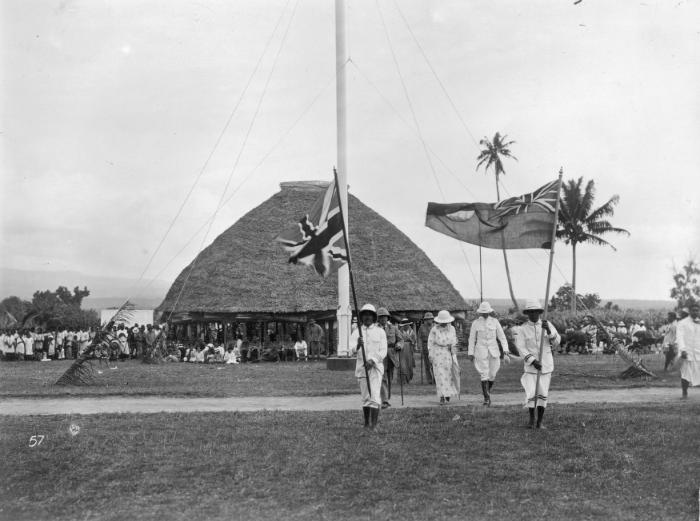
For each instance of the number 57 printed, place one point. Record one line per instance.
(35, 441)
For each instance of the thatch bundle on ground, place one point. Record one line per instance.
(244, 275)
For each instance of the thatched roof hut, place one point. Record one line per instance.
(244, 274)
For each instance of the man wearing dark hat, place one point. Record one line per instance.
(528, 343)
(374, 341)
(423, 334)
(394, 345)
(688, 341)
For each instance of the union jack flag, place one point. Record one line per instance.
(542, 199)
(317, 239)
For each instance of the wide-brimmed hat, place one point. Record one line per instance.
(405, 322)
(444, 317)
(533, 305)
(641, 322)
(484, 307)
(428, 316)
(383, 312)
(620, 323)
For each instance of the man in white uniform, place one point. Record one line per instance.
(528, 343)
(688, 342)
(485, 334)
(374, 340)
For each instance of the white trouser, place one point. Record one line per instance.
(375, 382)
(487, 367)
(528, 381)
(301, 352)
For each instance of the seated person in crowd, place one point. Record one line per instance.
(271, 353)
(301, 349)
(230, 356)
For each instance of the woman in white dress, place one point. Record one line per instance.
(442, 350)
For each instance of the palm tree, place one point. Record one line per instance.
(490, 156)
(579, 223)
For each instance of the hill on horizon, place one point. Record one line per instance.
(23, 284)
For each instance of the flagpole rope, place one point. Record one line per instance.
(435, 74)
(247, 177)
(211, 154)
(238, 157)
(418, 127)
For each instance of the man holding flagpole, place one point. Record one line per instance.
(528, 341)
(370, 366)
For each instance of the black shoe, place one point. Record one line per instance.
(386, 405)
(531, 424)
(442, 400)
(540, 416)
(367, 414)
(447, 399)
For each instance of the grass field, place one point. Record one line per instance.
(296, 379)
(621, 463)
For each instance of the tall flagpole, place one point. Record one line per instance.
(343, 313)
(549, 278)
(352, 285)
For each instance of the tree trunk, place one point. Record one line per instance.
(505, 259)
(573, 280)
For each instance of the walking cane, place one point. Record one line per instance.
(401, 378)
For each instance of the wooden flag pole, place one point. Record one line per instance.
(352, 283)
(549, 278)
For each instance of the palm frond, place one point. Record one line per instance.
(81, 372)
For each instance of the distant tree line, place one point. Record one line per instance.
(49, 310)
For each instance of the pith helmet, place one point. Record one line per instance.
(484, 307)
(428, 316)
(444, 317)
(369, 308)
(533, 305)
(383, 312)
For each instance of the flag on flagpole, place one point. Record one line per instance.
(514, 223)
(317, 239)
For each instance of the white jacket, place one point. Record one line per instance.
(688, 338)
(375, 348)
(528, 343)
(483, 338)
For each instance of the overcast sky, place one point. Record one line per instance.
(111, 109)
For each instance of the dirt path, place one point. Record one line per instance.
(125, 404)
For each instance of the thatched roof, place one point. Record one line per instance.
(245, 271)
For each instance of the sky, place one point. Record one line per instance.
(114, 115)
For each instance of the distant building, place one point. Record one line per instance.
(135, 316)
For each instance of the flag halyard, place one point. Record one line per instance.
(317, 239)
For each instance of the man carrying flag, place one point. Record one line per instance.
(369, 367)
(320, 239)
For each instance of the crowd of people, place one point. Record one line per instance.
(33, 344)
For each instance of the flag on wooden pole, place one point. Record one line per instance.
(317, 239)
(514, 223)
